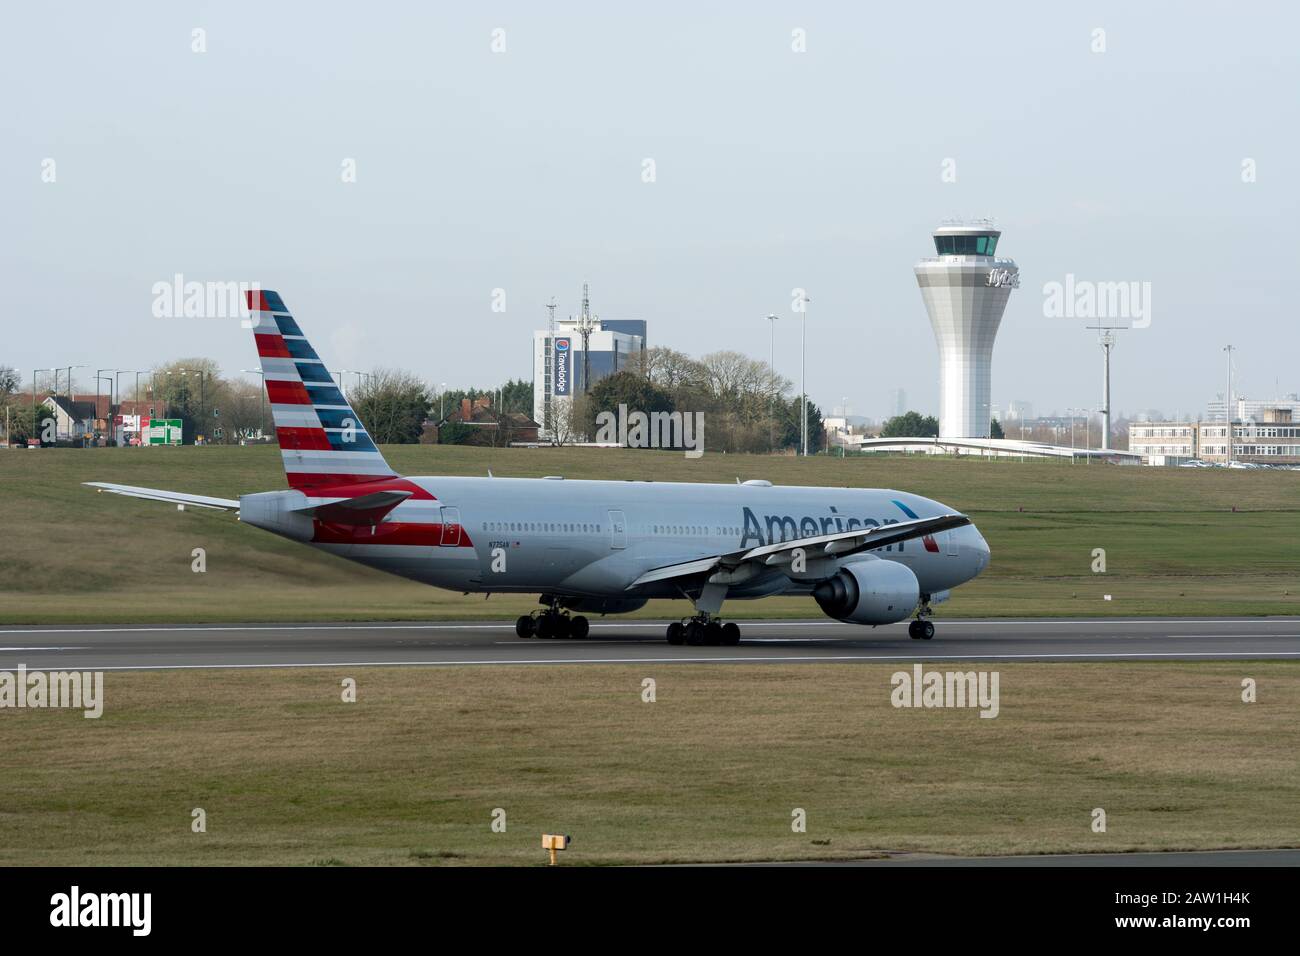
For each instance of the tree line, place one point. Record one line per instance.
(747, 406)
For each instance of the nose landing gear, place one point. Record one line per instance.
(922, 629)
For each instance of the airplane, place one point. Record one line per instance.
(867, 556)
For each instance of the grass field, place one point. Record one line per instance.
(1173, 542)
(411, 773)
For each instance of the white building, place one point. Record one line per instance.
(560, 365)
(1271, 438)
(965, 289)
(1253, 409)
(1019, 410)
(838, 431)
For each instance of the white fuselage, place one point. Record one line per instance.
(592, 539)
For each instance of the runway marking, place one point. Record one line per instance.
(86, 647)
(1184, 637)
(571, 642)
(505, 625)
(859, 658)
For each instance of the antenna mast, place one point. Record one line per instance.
(586, 325)
(548, 356)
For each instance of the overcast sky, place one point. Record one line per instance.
(523, 170)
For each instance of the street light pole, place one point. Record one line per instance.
(771, 351)
(361, 376)
(803, 372)
(772, 319)
(844, 439)
(34, 371)
(69, 368)
(107, 417)
(1227, 405)
(199, 372)
(118, 383)
(257, 371)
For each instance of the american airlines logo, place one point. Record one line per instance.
(1003, 279)
(771, 529)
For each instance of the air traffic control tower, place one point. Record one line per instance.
(965, 289)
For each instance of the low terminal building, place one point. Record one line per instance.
(1271, 439)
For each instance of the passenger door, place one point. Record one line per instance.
(450, 528)
(617, 531)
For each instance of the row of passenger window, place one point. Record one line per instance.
(567, 527)
(543, 527)
(679, 530)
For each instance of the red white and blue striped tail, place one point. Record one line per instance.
(322, 441)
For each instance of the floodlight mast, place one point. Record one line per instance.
(1106, 333)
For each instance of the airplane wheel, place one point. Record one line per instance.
(730, 634)
(927, 630)
(713, 633)
(546, 628)
(579, 628)
(914, 630)
(525, 626)
(695, 633)
(676, 633)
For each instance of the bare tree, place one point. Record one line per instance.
(675, 372)
(393, 405)
(242, 409)
(569, 420)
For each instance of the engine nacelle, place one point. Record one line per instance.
(869, 592)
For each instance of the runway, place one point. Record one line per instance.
(158, 647)
(1182, 858)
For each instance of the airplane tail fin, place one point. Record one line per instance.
(322, 441)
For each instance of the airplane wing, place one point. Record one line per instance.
(837, 544)
(173, 497)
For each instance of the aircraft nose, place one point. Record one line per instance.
(981, 550)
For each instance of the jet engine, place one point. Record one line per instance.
(872, 591)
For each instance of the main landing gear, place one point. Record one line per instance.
(703, 629)
(553, 625)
